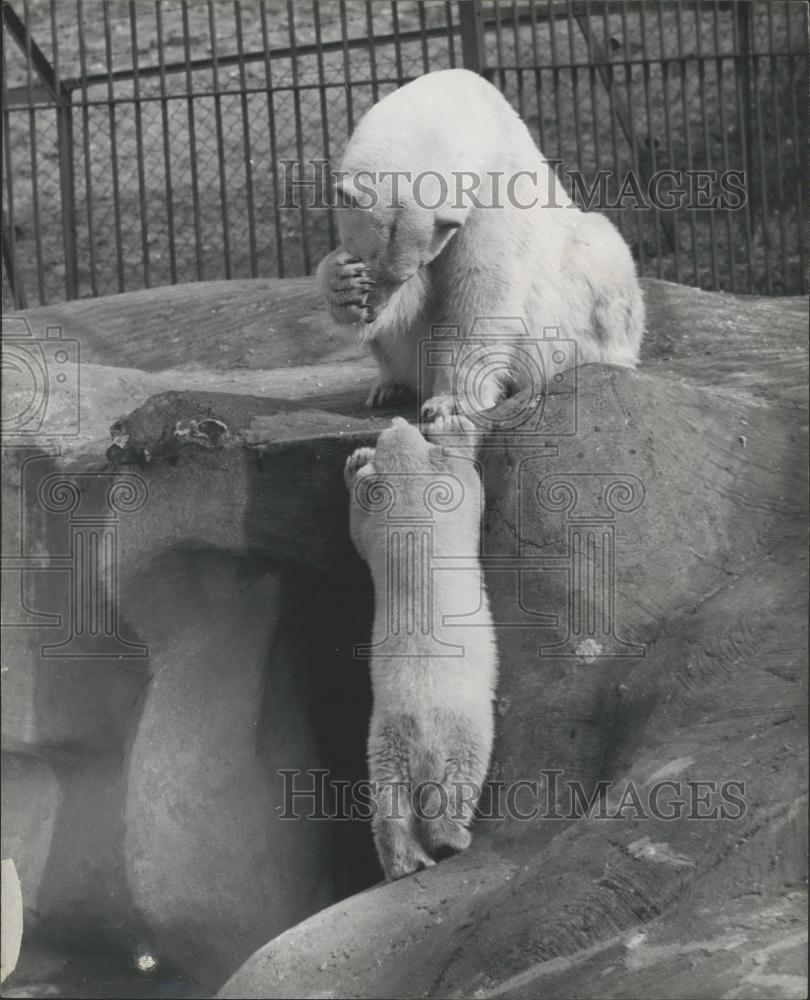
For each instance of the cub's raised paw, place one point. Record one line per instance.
(456, 425)
(349, 289)
(438, 408)
(361, 459)
(440, 415)
(388, 394)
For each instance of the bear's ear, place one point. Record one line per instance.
(446, 221)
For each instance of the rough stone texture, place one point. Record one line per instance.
(140, 809)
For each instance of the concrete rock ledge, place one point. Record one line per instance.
(144, 733)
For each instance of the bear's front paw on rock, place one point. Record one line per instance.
(388, 394)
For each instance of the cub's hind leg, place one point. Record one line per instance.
(459, 771)
(393, 823)
(447, 833)
(398, 848)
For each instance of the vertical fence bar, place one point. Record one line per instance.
(651, 137)
(271, 124)
(372, 53)
(706, 139)
(780, 167)
(88, 160)
(742, 46)
(327, 153)
(744, 127)
(720, 73)
(167, 159)
(574, 82)
(631, 124)
(246, 144)
(223, 182)
(67, 181)
(555, 77)
(192, 143)
(299, 133)
(496, 9)
(687, 137)
(451, 33)
(10, 264)
(424, 41)
(347, 72)
(518, 67)
(611, 91)
(32, 133)
(538, 75)
(668, 129)
(9, 228)
(763, 176)
(592, 87)
(471, 26)
(397, 43)
(111, 105)
(136, 93)
(798, 147)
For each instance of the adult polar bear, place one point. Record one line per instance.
(452, 213)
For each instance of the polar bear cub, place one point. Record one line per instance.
(433, 679)
(452, 213)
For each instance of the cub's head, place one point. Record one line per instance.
(406, 480)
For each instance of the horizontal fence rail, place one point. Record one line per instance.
(148, 143)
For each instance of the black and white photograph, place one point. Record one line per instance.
(405, 499)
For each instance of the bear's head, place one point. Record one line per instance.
(395, 230)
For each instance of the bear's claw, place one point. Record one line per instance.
(387, 394)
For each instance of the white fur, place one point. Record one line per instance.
(432, 718)
(550, 265)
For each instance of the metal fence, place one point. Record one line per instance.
(144, 142)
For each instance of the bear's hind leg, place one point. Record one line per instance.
(390, 390)
(444, 837)
(446, 834)
(398, 848)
